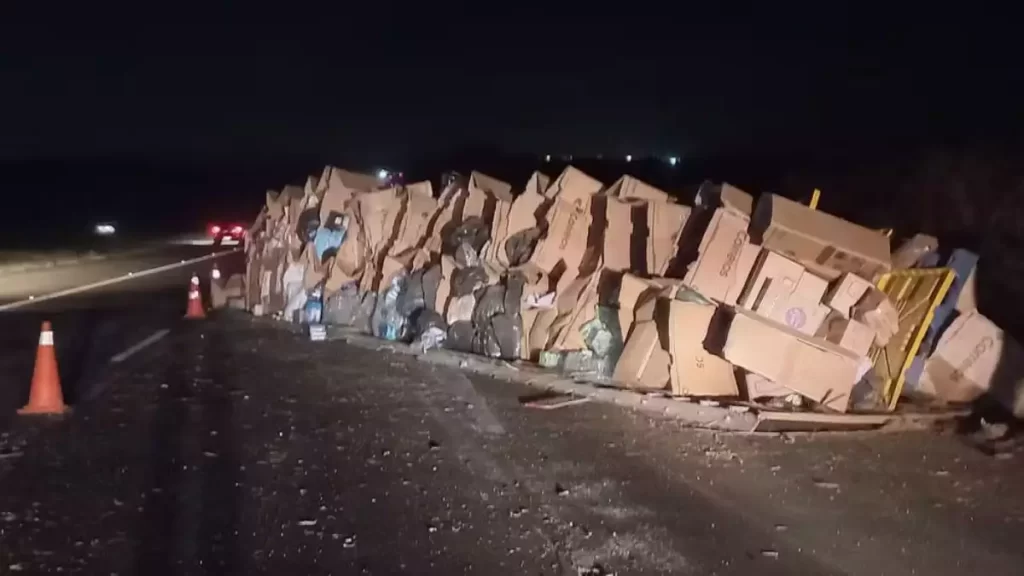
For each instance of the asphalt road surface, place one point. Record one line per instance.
(233, 445)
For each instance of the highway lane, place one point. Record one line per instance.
(92, 327)
(20, 285)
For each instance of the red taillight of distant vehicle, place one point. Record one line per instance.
(233, 232)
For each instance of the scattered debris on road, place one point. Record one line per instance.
(551, 400)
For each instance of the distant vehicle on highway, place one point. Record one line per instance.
(227, 233)
(104, 229)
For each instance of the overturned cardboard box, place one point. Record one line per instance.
(812, 367)
(975, 357)
(825, 244)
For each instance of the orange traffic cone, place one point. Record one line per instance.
(45, 396)
(195, 300)
(215, 273)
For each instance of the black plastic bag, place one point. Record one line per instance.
(490, 303)
(431, 281)
(468, 280)
(460, 337)
(519, 246)
(342, 307)
(508, 331)
(515, 282)
(424, 319)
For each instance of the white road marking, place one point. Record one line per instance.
(151, 339)
(114, 280)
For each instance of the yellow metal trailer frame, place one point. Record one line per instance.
(915, 293)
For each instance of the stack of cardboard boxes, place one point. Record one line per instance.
(727, 298)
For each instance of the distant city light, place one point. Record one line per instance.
(629, 157)
(673, 160)
(547, 157)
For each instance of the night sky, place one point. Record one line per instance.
(253, 83)
(291, 89)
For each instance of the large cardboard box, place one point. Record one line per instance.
(716, 268)
(569, 220)
(823, 243)
(694, 371)
(974, 357)
(817, 369)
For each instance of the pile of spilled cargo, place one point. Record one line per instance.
(774, 305)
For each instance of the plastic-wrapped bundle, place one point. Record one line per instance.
(342, 307)
(388, 323)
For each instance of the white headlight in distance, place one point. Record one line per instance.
(104, 229)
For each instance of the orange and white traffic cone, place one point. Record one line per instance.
(45, 396)
(195, 300)
(215, 273)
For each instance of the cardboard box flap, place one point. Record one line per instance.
(311, 188)
(292, 198)
(423, 189)
(824, 243)
(724, 195)
(493, 186)
(628, 187)
(274, 206)
(537, 184)
(572, 184)
(353, 181)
